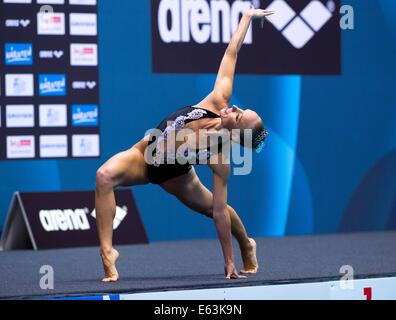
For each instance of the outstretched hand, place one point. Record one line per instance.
(231, 273)
(259, 13)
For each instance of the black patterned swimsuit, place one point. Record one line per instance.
(160, 171)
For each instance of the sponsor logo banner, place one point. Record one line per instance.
(49, 75)
(53, 115)
(51, 54)
(19, 85)
(67, 219)
(85, 115)
(17, 1)
(85, 145)
(52, 85)
(19, 116)
(53, 146)
(15, 23)
(19, 147)
(84, 85)
(18, 54)
(50, 1)
(83, 54)
(50, 23)
(83, 24)
(83, 2)
(184, 31)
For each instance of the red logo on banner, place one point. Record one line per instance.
(368, 292)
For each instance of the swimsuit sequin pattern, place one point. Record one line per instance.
(160, 171)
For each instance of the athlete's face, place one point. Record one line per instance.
(236, 118)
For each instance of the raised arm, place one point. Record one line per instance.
(221, 95)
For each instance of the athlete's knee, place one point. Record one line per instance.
(105, 178)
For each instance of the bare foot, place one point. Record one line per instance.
(109, 265)
(249, 257)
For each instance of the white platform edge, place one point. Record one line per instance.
(380, 288)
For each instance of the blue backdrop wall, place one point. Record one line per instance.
(329, 165)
